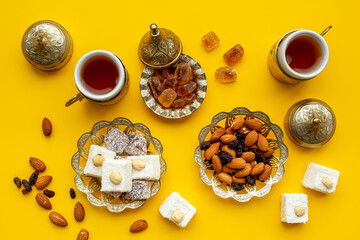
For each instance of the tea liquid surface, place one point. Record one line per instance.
(100, 75)
(302, 53)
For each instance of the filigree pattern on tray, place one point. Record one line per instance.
(91, 185)
(277, 161)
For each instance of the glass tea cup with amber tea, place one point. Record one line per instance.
(298, 56)
(101, 77)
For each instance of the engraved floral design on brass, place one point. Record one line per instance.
(313, 123)
(159, 47)
(45, 43)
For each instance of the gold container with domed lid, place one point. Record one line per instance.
(159, 48)
(47, 45)
(310, 123)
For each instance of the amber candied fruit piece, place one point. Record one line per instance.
(170, 81)
(186, 88)
(184, 73)
(179, 103)
(162, 73)
(225, 74)
(234, 55)
(190, 98)
(210, 41)
(167, 97)
(155, 86)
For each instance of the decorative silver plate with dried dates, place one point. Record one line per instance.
(184, 111)
(259, 186)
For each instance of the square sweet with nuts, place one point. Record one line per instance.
(145, 167)
(320, 178)
(141, 189)
(294, 208)
(177, 209)
(97, 156)
(116, 176)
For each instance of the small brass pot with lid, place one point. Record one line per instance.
(310, 123)
(47, 45)
(159, 48)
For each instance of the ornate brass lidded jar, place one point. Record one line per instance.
(310, 123)
(159, 48)
(47, 45)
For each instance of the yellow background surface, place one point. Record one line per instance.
(28, 95)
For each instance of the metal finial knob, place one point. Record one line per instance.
(154, 30)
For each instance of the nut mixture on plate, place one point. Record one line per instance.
(240, 153)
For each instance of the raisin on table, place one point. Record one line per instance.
(49, 193)
(72, 193)
(17, 181)
(33, 178)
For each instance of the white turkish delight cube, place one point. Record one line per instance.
(145, 167)
(116, 176)
(294, 208)
(93, 165)
(177, 209)
(320, 178)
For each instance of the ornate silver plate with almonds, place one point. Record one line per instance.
(275, 138)
(91, 185)
(174, 113)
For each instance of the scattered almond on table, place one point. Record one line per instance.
(43, 182)
(43, 201)
(138, 226)
(57, 219)
(46, 127)
(83, 235)
(37, 164)
(79, 212)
